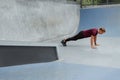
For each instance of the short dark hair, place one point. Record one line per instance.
(102, 29)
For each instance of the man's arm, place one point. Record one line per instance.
(93, 41)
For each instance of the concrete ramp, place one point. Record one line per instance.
(37, 20)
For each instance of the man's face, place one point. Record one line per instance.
(101, 32)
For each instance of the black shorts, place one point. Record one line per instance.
(76, 37)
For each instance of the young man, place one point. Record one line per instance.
(85, 34)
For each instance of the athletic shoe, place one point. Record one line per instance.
(63, 43)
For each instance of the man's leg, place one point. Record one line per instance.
(74, 38)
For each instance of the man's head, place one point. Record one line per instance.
(101, 30)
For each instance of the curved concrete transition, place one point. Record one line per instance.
(37, 20)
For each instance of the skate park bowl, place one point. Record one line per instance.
(105, 55)
(77, 61)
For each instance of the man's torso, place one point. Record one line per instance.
(89, 32)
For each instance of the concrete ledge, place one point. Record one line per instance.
(20, 54)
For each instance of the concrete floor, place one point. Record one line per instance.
(80, 52)
(76, 61)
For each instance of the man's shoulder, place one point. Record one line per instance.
(94, 28)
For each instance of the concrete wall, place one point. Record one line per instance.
(37, 20)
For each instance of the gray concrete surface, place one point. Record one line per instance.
(37, 20)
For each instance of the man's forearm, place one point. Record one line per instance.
(92, 41)
(95, 39)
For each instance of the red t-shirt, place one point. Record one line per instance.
(88, 33)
